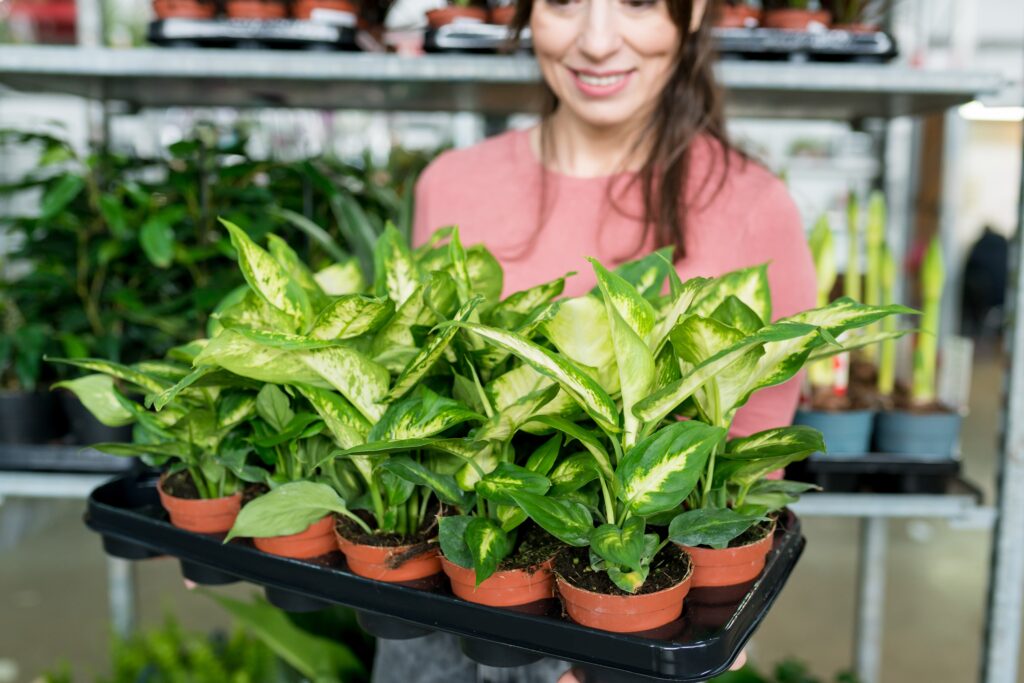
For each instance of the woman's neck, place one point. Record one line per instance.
(583, 151)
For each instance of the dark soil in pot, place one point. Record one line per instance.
(668, 568)
(180, 485)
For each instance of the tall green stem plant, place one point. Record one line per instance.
(933, 278)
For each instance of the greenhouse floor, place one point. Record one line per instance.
(53, 602)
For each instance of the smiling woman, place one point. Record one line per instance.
(631, 155)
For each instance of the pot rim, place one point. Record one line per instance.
(767, 537)
(562, 581)
(530, 571)
(165, 475)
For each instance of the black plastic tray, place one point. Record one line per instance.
(878, 473)
(828, 46)
(252, 33)
(61, 458)
(715, 625)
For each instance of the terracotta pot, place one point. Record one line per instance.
(201, 515)
(437, 18)
(738, 16)
(318, 539)
(857, 28)
(501, 589)
(304, 8)
(257, 9)
(795, 19)
(182, 9)
(625, 613)
(729, 566)
(372, 561)
(503, 15)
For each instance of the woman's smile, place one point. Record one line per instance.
(601, 83)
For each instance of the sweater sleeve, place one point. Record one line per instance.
(422, 221)
(775, 234)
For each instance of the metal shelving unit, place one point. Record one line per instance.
(502, 85)
(485, 84)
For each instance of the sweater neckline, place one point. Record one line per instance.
(525, 151)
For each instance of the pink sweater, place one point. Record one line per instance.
(492, 192)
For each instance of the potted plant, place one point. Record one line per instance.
(645, 462)
(260, 10)
(456, 11)
(303, 9)
(857, 16)
(200, 434)
(502, 12)
(738, 14)
(795, 15)
(183, 9)
(920, 426)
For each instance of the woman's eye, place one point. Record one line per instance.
(640, 4)
(562, 3)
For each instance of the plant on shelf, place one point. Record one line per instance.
(454, 11)
(857, 15)
(738, 14)
(795, 15)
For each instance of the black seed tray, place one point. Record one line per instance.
(252, 33)
(823, 46)
(877, 473)
(715, 625)
(61, 458)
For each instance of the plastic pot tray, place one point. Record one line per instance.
(715, 625)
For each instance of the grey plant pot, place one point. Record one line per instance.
(924, 436)
(847, 433)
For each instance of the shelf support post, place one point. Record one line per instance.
(870, 600)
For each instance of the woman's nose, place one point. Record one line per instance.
(599, 36)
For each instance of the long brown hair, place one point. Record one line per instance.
(689, 108)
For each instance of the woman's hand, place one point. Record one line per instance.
(577, 676)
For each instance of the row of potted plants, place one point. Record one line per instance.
(524, 445)
(802, 15)
(857, 402)
(121, 257)
(451, 11)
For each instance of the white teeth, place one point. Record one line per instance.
(600, 81)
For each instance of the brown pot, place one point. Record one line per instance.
(437, 18)
(795, 19)
(503, 588)
(201, 515)
(503, 15)
(318, 539)
(371, 561)
(729, 566)
(625, 613)
(857, 28)
(182, 9)
(257, 9)
(738, 16)
(304, 8)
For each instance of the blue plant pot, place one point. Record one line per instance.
(846, 433)
(924, 436)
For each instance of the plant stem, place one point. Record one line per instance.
(609, 504)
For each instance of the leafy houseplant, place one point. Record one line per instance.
(921, 427)
(795, 15)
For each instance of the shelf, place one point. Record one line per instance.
(49, 485)
(151, 77)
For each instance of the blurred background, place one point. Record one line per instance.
(894, 580)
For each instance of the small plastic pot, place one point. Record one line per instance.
(303, 9)
(625, 613)
(201, 515)
(924, 436)
(846, 432)
(503, 15)
(257, 9)
(183, 9)
(795, 19)
(729, 566)
(857, 28)
(449, 15)
(371, 561)
(503, 588)
(738, 16)
(29, 417)
(317, 539)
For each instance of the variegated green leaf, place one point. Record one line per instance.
(749, 285)
(234, 409)
(623, 547)
(845, 314)
(351, 316)
(674, 307)
(284, 340)
(438, 295)
(589, 441)
(397, 276)
(514, 310)
(348, 427)
(274, 407)
(251, 312)
(631, 319)
(443, 486)
(288, 509)
(745, 473)
(247, 358)
(859, 342)
(96, 392)
(778, 442)
(165, 397)
(488, 544)
(591, 397)
(343, 278)
(646, 275)
(737, 315)
(507, 421)
(138, 450)
(568, 521)
(506, 390)
(508, 479)
(486, 276)
(452, 539)
(423, 414)
(429, 355)
(543, 459)
(712, 527)
(296, 269)
(146, 382)
(581, 332)
(573, 473)
(660, 472)
(268, 279)
(360, 380)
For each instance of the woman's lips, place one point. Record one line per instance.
(595, 84)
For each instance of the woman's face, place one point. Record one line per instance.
(606, 60)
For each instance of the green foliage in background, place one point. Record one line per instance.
(787, 671)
